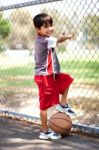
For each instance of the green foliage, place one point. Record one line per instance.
(4, 31)
(4, 28)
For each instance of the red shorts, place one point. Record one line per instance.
(50, 88)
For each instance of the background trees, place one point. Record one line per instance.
(20, 30)
(4, 31)
(90, 29)
(21, 36)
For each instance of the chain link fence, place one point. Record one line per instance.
(78, 57)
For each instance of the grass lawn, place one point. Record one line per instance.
(83, 71)
(22, 76)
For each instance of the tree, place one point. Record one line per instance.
(4, 31)
(21, 36)
(91, 29)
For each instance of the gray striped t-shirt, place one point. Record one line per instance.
(46, 61)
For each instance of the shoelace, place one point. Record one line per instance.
(69, 109)
(49, 132)
(65, 106)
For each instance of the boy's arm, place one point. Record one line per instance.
(64, 37)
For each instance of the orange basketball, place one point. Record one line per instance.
(60, 123)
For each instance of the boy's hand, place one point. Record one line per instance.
(69, 35)
(64, 37)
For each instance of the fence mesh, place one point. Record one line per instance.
(78, 57)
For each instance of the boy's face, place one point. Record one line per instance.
(45, 30)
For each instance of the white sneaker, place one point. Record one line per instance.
(49, 135)
(66, 109)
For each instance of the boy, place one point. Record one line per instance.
(51, 83)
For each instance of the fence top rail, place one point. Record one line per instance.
(25, 4)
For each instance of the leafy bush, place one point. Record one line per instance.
(4, 31)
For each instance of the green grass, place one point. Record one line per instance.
(17, 76)
(83, 71)
(25, 70)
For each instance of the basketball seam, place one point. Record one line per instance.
(59, 127)
(62, 119)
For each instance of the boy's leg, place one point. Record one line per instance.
(44, 99)
(64, 107)
(43, 115)
(64, 100)
(46, 133)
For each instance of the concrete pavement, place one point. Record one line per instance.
(20, 135)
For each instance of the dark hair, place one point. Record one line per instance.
(42, 19)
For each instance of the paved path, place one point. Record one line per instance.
(19, 135)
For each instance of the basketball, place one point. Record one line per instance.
(59, 122)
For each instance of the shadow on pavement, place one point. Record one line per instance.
(19, 135)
